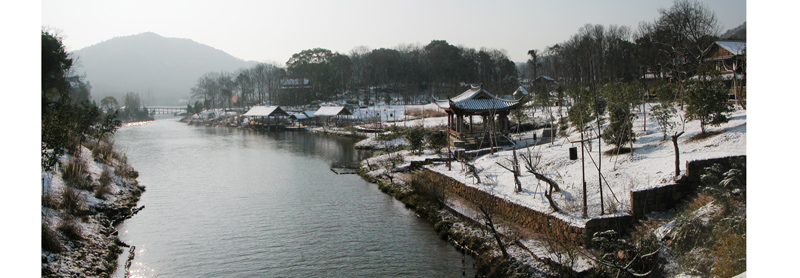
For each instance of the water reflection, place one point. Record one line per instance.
(224, 202)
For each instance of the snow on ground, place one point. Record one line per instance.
(374, 144)
(651, 164)
(396, 115)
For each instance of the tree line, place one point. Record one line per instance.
(69, 118)
(612, 69)
(410, 73)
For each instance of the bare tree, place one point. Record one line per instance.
(494, 231)
(532, 165)
(514, 169)
(684, 32)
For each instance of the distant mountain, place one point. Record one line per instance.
(161, 70)
(738, 33)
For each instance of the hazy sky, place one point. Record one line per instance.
(274, 30)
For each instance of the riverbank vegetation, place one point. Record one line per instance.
(87, 187)
(469, 236)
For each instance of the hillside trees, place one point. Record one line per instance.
(327, 73)
(683, 32)
(408, 71)
(109, 103)
(65, 119)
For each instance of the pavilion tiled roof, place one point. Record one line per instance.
(476, 99)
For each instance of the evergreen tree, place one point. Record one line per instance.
(620, 128)
(707, 102)
(663, 114)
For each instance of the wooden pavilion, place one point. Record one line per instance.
(326, 113)
(477, 102)
(261, 116)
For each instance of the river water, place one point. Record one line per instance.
(225, 202)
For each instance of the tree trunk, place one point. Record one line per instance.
(677, 154)
(494, 231)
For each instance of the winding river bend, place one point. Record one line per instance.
(223, 202)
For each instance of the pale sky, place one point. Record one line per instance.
(271, 31)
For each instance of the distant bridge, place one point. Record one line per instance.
(165, 109)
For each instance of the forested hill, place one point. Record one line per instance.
(161, 70)
(738, 33)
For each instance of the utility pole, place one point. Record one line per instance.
(583, 172)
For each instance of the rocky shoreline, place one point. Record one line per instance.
(463, 233)
(93, 248)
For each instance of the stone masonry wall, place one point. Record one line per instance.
(665, 197)
(540, 222)
(660, 198)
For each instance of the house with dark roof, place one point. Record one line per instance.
(728, 58)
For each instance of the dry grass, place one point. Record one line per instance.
(70, 228)
(427, 113)
(702, 136)
(75, 174)
(49, 200)
(104, 188)
(71, 201)
(50, 241)
(104, 152)
(730, 255)
(125, 171)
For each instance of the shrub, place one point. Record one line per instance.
(125, 171)
(75, 175)
(71, 201)
(104, 152)
(49, 200)
(50, 241)
(104, 188)
(438, 140)
(70, 228)
(416, 138)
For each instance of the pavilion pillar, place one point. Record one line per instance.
(459, 122)
(449, 122)
(470, 123)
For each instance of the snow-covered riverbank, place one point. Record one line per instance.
(79, 238)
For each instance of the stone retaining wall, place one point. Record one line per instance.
(537, 221)
(665, 197)
(660, 198)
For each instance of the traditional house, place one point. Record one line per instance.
(477, 102)
(269, 117)
(295, 91)
(728, 58)
(546, 84)
(335, 113)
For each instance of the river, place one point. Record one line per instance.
(225, 202)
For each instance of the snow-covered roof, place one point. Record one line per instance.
(724, 76)
(299, 116)
(546, 78)
(735, 48)
(332, 111)
(294, 82)
(521, 90)
(476, 99)
(265, 111)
